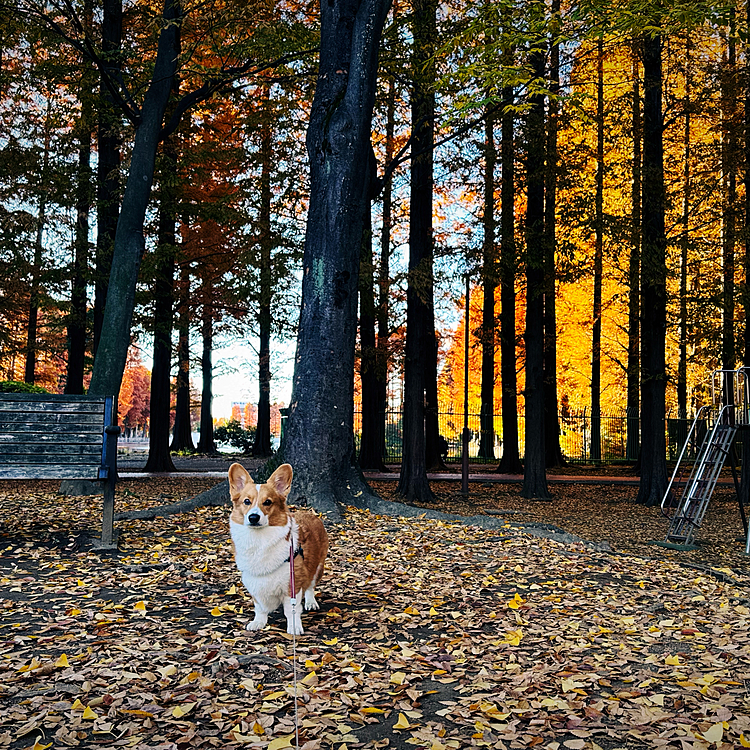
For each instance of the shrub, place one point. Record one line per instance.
(234, 434)
(13, 386)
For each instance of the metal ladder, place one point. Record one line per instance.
(722, 422)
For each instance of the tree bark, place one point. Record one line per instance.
(29, 371)
(109, 362)
(182, 432)
(84, 198)
(534, 477)
(553, 454)
(745, 472)
(370, 449)
(262, 442)
(729, 173)
(318, 438)
(684, 242)
(510, 462)
(653, 482)
(206, 442)
(109, 143)
(596, 334)
(632, 450)
(489, 284)
(420, 404)
(159, 458)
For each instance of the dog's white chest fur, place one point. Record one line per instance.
(262, 556)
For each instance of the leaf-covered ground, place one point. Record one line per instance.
(430, 634)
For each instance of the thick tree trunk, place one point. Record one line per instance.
(510, 462)
(318, 438)
(109, 362)
(262, 442)
(596, 334)
(489, 284)
(84, 199)
(553, 454)
(420, 449)
(182, 432)
(534, 477)
(634, 274)
(109, 143)
(745, 473)
(206, 442)
(653, 482)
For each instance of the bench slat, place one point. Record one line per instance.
(10, 452)
(49, 472)
(53, 406)
(17, 418)
(70, 438)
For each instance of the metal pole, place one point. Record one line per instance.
(465, 435)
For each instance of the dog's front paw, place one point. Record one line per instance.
(311, 602)
(256, 624)
(294, 628)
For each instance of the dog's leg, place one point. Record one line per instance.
(293, 619)
(260, 619)
(310, 600)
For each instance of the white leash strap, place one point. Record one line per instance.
(293, 593)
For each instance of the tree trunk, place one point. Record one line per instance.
(489, 284)
(510, 462)
(596, 336)
(318, 438)
(206, 442)
(653, 482)
(553, 454)
(382, 353)
(129, 245)
(29, 372)
(634, 273)
(109, 143)
(84, 199)
(370, 449)
(684, 242)
(729, 173)
(534, 477)
(745, 473)
(182, 432)
(420, 448)
(159, 458)
(262, 442)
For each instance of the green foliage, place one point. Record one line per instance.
(234, 434)
(13, 386)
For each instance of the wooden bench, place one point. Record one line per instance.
(45, 436)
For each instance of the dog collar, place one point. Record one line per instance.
(299, 552)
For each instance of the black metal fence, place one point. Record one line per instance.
(577, 431)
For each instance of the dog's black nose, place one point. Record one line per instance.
(253, 519)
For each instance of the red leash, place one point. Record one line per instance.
(293, 596)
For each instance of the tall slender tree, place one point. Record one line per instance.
(653, 482)
(534, 477)
(182, 432)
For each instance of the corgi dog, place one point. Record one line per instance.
(266, 536)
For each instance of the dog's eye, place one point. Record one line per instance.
(268, 502)
(246, 501)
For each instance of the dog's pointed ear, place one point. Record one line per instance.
(238, 479)
(281, 479)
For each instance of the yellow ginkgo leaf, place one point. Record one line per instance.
(216, 612)
(673, 661)
(402, 723)
(398, 678)
(38, 745)
(714, 733)
(89, 714)
(77, 705)
(62, 661)
(371, 710)
(140, 606)
(258, 729)
(232, 590)
(280, 742)
(179, 711)
(743, 741)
